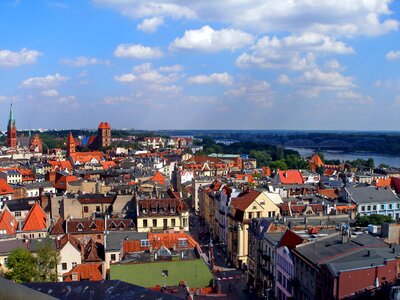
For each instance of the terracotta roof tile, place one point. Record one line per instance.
(5, 188)
(7, 221)
(244, 200)
(36, 219)
(88, 271)
(290, 177)
(290, 239)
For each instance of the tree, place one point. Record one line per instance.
(263, 157)
(278, 165)
(47, 260)
(27, 267)
(22, 266)
(373, 219)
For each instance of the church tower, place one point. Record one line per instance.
(70, 145)
(104, 135)
(11, 131)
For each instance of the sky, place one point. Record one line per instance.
(173, 64)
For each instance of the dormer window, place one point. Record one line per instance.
(182, 242)
(113, 225)
(79, 227)
(121, 225)
(93, 226)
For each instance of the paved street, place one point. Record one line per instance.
(230, 280)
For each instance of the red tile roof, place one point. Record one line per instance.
(70, 139)
(290, 239)
(396, 184)
(5, 188)
(379, 182)
(171, 239)
(60, 165)
(317, 160)
(84, 157)
(108, 164)
(36, 219)
(104, 125)
(244, 200)
(7, 221)
(158, 177)
(58, 228)
(61, 183)
(88, 271)
(290, 177)
(328, 193)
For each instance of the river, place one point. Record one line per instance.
(393, 161)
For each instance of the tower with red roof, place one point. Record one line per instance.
(11, 131)
(104, 134)
(70, 145)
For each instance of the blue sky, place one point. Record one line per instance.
(233, 64)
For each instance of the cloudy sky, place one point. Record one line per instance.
(232, 64)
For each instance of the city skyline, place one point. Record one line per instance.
(209, 65)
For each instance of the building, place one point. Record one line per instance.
(71, 145)
(248, 205)
(104, 135)
(342, 265)
(162, 214)
(11, 131)
(373, 200)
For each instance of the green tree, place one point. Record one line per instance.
(373, 219)
(263, 157)
(278, 165)
(47, 259)
(22, 266)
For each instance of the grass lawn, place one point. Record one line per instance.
(195, 272)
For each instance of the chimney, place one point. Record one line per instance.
(83, 250)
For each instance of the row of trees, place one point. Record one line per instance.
(23, 266)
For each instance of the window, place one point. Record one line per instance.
(97, 208)
(85, 209)
(154, 222)
(362, 208)
(182, 242)
(74, 264)
(17, 213)
(374, 207)
(172, 222)
(113, 257)
(382, 206)
(368, 207)
(144, 223)
(164, 273)
(390, 206)
(165, 223)
(258, 214)
(5, 260)
(144, 243)
(250, 215)
(64, 266)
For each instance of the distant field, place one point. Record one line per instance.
(195, 272)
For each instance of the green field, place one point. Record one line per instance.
(195, 272)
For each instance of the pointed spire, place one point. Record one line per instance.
(11, 121)
(71, 138)
(30, 135)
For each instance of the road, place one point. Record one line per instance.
(231, 281)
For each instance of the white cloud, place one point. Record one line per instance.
(218, 78)
(392, 55)
(137, 51)
(355, 97)
(346, 18)
(140, 9)
(332, 79)
(44, 82)
(209, 40)
(49, 93)
(150, 25)
(145, 73)
(257, 92)
(82, 61)
(173, 68)
(25, 56)
(273, 53)
(283, 79)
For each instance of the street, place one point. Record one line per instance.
(230, 281)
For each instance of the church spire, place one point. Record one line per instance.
(11, 121)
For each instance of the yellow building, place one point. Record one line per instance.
(248, 205)
(162, 214)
